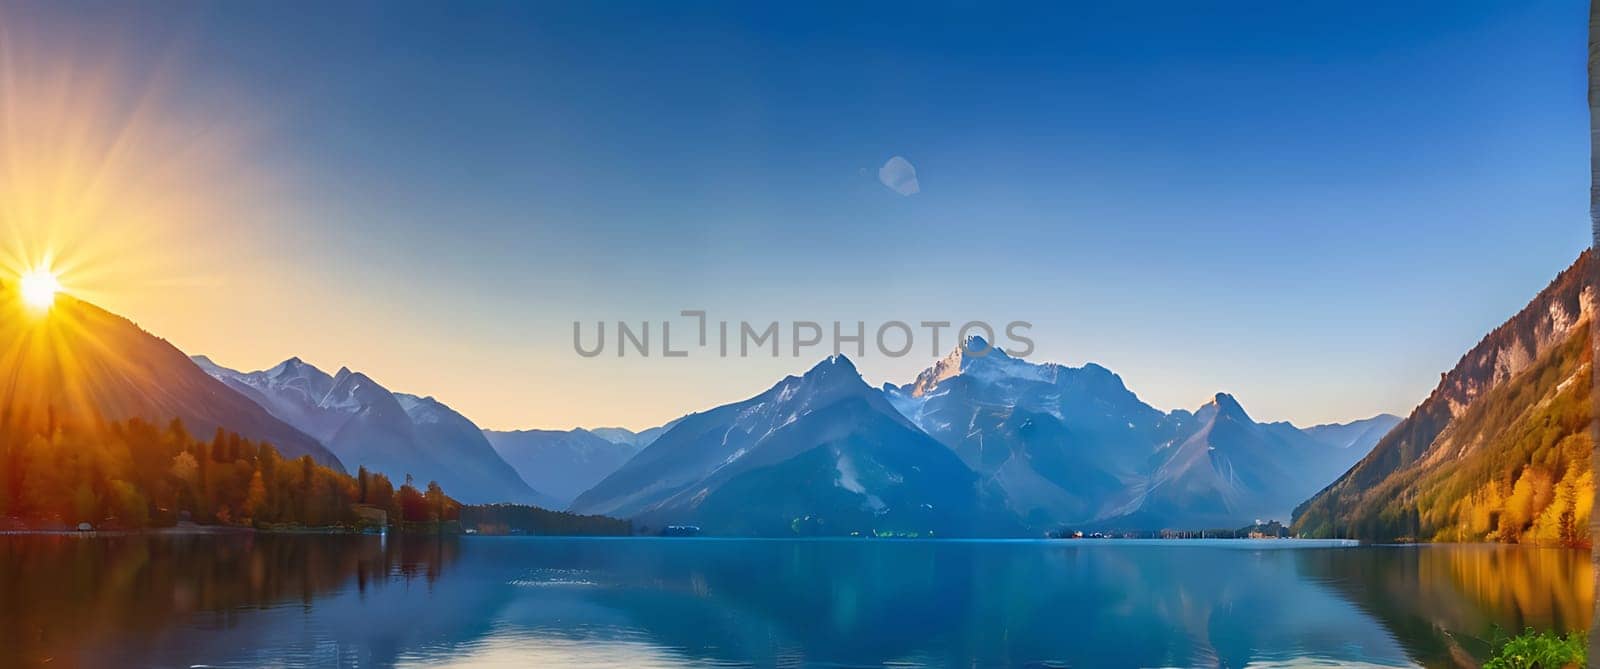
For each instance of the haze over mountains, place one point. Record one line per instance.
(637, 440)
(562, 463)
(1356, 437)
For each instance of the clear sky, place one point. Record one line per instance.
(1316, 206)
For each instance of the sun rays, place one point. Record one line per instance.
(121, 181)
(121, 185)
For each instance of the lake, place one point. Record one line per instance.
(252, 600)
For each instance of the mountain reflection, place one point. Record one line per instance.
(255, 600)
(122, 600)
(1444, 602)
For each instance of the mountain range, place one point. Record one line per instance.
(976, 444)
(392, 433)
(1039, 446)
(820, 453)
(1072, 445)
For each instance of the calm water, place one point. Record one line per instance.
(277, 600)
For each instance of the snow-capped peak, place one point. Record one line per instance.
(977, 358)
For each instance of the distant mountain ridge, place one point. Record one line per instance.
(1229, 467)
(564, 463)
(393, 433)
(1039, 446)
(1356, 436)
(80, 361)
(561, 463)
(638, 440)
(1075, 446)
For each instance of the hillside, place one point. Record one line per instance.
(1500, 451)
(79, 361)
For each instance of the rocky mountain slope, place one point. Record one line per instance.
(1500, 450)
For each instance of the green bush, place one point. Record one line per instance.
(1539, 650)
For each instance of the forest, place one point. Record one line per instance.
(1513, 467)
(55, 474)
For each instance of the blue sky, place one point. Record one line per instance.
(1316, 206)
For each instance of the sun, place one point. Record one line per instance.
(39, 288)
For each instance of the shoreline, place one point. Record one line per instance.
(191, 529)
(1254, 544)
